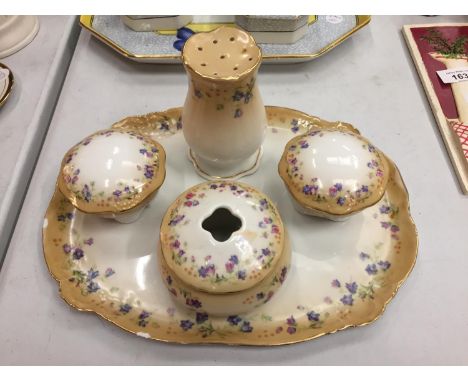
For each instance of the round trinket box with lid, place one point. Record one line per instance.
(223, 248)
(113, 173)
(332, 173)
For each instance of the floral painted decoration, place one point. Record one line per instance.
(236, 99)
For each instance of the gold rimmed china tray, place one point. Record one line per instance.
(343, 274)
(6, 83)
(324, 33)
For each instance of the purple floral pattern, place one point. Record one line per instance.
(241, 96)
(186, 324)
(373, 268)
(125, 308)
(143, 318)
(76, 252)
(246, 327)
(291, 325)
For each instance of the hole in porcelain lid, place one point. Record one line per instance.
(221, 224)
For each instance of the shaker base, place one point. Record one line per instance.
(208, 170)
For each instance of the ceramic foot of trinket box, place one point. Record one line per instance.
(113, 174)
(224, 116)
(333, 174)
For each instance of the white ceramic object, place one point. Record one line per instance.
(271, 23)
(224, 116)
(223, 243)
(290, 37)
(342, 274)
(274, 29)
(112, 173)
(154, 23)
(333, 173)
(16, 32)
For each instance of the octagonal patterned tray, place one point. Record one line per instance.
(343, 274)
(323, 34)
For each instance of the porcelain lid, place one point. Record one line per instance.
(337, 172)
(112, 171)
(222, 236)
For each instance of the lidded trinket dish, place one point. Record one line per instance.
(223, 248)
(224, 117)
(333, 173)
(113, 173)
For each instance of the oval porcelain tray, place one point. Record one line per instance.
(343, 274)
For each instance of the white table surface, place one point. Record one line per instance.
(369, 81)
(39, 70)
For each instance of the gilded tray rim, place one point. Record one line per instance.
(70, 299)
(86, 21)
